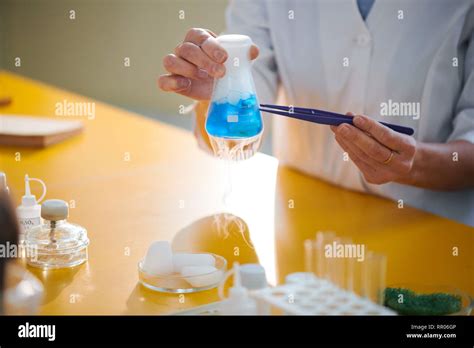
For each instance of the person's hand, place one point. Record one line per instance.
(381, 154)
(194, 65)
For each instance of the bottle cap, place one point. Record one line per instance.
(252, 276)
(54, 210)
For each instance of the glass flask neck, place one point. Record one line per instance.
(237, 65)
(238, 52)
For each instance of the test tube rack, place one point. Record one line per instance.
(316, 296)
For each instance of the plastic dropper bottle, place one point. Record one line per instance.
(29, 212)
(239, 301)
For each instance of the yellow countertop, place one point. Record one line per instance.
(132, 180)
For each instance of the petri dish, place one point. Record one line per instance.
(177, 283)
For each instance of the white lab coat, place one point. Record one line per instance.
(322, 54)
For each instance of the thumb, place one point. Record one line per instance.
(254, 52)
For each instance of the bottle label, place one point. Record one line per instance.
(28, 223)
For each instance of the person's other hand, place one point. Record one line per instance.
(381, 154)
(194, 65)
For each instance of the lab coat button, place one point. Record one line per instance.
(362, 40)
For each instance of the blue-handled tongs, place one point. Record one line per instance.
(322, 117)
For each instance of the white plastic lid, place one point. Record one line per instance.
(252, 276)
(54, 210)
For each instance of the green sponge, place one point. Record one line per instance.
(422, 304)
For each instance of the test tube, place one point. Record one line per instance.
(365, 277)
(322, 263)
(357, 283)
(348, 275)
(339, 271)
(309, 253)
(373, 274)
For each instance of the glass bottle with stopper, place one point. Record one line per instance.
(56, 243)
(234, 122)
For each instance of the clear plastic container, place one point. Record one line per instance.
(177, 283)
(56, 243)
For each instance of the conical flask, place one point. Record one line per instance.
(234, 122)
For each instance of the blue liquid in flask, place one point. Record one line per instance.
(240, 120)
(234, 123)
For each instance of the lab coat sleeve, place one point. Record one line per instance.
(463, 123)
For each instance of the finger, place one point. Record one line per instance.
(198, 35)
(334, 128)
(396, 162)
(368, 145)
(383, 134)
(211, 32)
(254, 52)
(193, 54)
(214, 50)
(351, 148)
(173, 83)
(206, 39)
(364, 167)
(179, 66)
